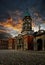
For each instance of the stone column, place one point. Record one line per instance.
(35, 45)
(10, 44)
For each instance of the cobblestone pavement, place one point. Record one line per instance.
(12, 57)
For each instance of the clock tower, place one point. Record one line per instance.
(27, 31)
(27, 24)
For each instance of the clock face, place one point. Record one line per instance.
(28, 20)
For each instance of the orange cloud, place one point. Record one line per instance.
(12, 24)
(2, 31)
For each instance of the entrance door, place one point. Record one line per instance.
(39, 43)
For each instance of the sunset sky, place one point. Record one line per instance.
(12, 13)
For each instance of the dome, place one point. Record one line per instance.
(27, 15)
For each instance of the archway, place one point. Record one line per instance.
(39, 43)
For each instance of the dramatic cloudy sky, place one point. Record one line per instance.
(15, 9)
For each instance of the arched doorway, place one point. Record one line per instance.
(39, 43)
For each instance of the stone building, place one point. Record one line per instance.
(25, 39)
(7, 43)
(28, 39)
(39, 40)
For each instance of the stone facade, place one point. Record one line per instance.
(24, 42)
(7, 43)
(40, 41)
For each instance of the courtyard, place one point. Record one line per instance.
(13, 57)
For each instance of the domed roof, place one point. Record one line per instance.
(26, 13)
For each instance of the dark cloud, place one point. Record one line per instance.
(6, 5)
(16, 9)
(4, 35)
